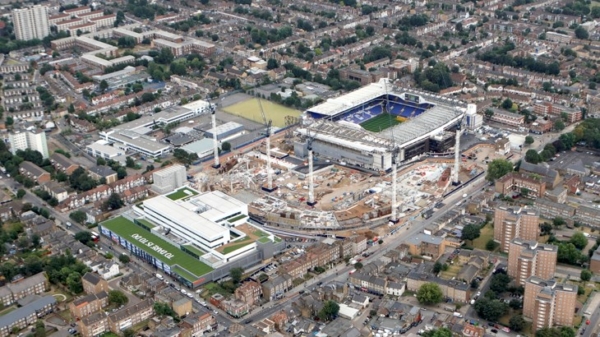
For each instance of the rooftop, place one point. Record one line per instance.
(26, 311)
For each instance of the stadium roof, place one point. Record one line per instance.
(336, 105)
(431, 121)
(343, 135)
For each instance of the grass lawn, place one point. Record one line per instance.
(233, 246)
(486, 233)
(250, 109)
(297, 281)
(7, 310)
(213, 288)
(588, 290)
(264, 240)
(236, 218)
(379, 123)
(146, 223)
(195, 250)
(452, 271)
(260, 233)
(181, 193)
(126, 229)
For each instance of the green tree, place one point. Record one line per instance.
(507, 104)
(40, 329)
(21, 193)
(358, 265)
(103, 85)
(272, 64)
(471, 232)
(585, 275)
(437, 267)
(329, 311)
(113, 202)
(71, 108)
(516, 323)
(499, 283)
(563, 331)
(84, 237)
(581, 33)
(124, 258)
(490, 309)
(532, 156)
(579, 240)
(226, 146)
(558, 221)
(498, 168)
(128, 333)
(529, 140)
(441, 332)
(78, 216)
(236, 274)
(430, 293)
(489, 113)
(559, 125)
(74, 283)
(491, 245)
(129, 162)
(117, 298)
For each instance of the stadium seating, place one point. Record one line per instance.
(396, 105)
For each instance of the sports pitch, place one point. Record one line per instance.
(250, 109)
(127, 230)
(380, 123)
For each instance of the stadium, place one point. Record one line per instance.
(362, 127)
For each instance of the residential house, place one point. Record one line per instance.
(235, 307)
(109, 270)
(276, 286)
(55, 190)
(88, 304)
(457, 291)
(249, 292)
(426, 245)
(195, 324)
(99, 172)
(62, 163)
(369, 283)
(93, 283)
(34, 172)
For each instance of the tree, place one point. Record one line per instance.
(117, 298)
(516, 323)
(272, 64)
(84, 237)
(559, 125)
(236, 274)
(470, 232)
(532, 156)
(595, 12)
(121, 172)
(128, 333)
(579, 240)
(474, 283)
(129, 162)
(21, 193)
(586, 275)
(507, 104)
(545, 229)
(563, 331)
(529, 140)
(489, 113)
(437, 267)
(581, 33)
(329, 311)
(498, 168)
(430, 293)
(124, 258)
(78, 216)
(226, 146)
(515, 304)
(358, 265)
(558, 221)
(103, 85)
(491, 245)
(441, 332)
(74, 283)
(499, 283)
(113, 202)
(490, 309)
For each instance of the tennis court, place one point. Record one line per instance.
(250, 109)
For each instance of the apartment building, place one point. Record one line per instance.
(27, 315)
(457, 291)
(34, 172)
(369, 283)
(93, 325)
(510, 223)
(62, 163)
(276, 286)
(530, 258)
(249, 292)
(31, 23)
(549, 209)
(31, 138)
(93, 283)
(196, 323)
(88, 304)
(588, 216)
(131, 315)
(548, 303)
(595, 261)
(426, 245)
(326, 251)
(33, 285)
(514, 182)
(508, 118)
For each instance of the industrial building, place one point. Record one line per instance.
(133, 136)
(168, 179)
(427, 125)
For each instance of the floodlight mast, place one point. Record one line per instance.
(269, 187)
(215, 140)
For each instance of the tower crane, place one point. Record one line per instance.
(395, 153)
(268, 123)
(455, 178)
(213, 112)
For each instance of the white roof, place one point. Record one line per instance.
(224, 128)
(186, 217)
(101, 146)
(339, 104)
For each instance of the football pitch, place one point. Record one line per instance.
(155, 246)
(380, 123)
(250, 109)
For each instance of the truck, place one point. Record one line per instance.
(457, 314)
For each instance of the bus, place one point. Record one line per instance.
(95, 237)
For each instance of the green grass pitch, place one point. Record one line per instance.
(380, 123)
(125, 229)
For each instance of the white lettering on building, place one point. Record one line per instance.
(152, 246)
